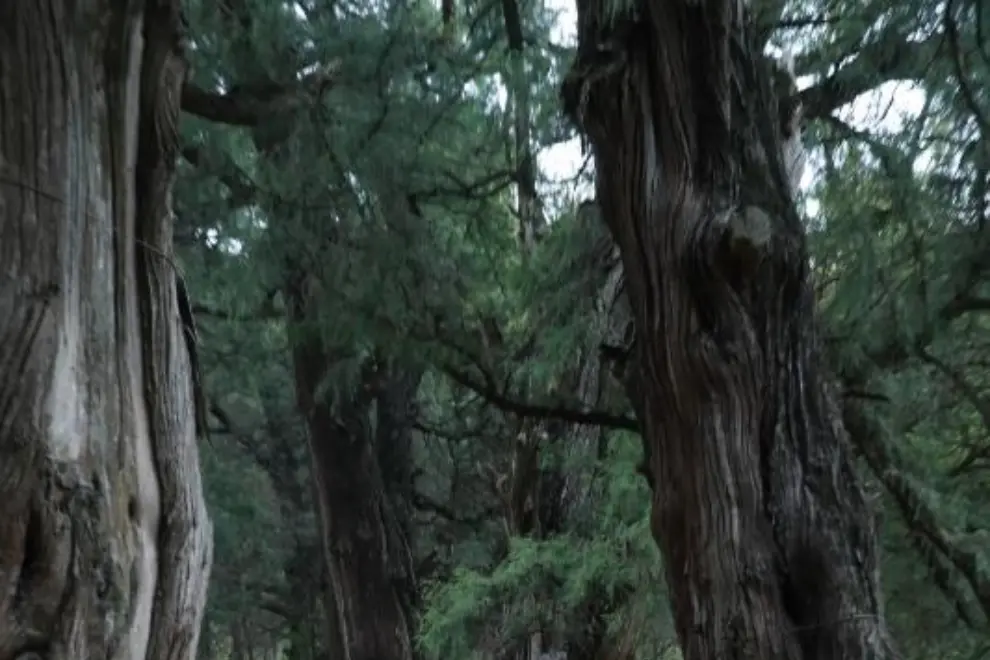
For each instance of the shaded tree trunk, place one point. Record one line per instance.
(284, 455)
(367, 553)
(363, 535)
(769, 547)
(576, 500)
(241, 642)
(395, 414)
(105, 544)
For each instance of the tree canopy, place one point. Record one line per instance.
(417, 325)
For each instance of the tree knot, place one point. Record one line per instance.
(746, 241)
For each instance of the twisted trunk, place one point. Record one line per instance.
(769, 546)
(105, 544)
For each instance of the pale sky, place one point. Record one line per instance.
(887, 107)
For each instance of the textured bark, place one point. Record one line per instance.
(609, 331)
(395, 413)
(769, 547)
(367, 553)
(105, 544)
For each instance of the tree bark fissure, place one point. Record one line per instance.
(769, 548)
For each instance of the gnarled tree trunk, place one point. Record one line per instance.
(105, 544)
(769, 547)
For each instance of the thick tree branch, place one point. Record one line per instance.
(247, 106)
(526, 409)
(220, 108)
(944, 577)
(921, 518)
(870, 437)
(890, 57)
(242, 189)
(959, 382)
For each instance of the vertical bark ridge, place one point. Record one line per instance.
(184, 538)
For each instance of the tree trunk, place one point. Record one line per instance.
(105, 544)
(769, 547)
(395, 414)
(368, 556)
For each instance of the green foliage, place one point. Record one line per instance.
(393, 191)
(543, 584)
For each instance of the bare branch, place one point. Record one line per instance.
(890, 57)
(526, 409)
(870, 437)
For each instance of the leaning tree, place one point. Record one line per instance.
(105, 543)
(769, 546)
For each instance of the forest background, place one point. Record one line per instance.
(409, 165)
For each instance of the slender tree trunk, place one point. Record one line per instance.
(368, 557)
(395, 413)
(105, 544)
(240, 643)
(282, 455)
(769, 546)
